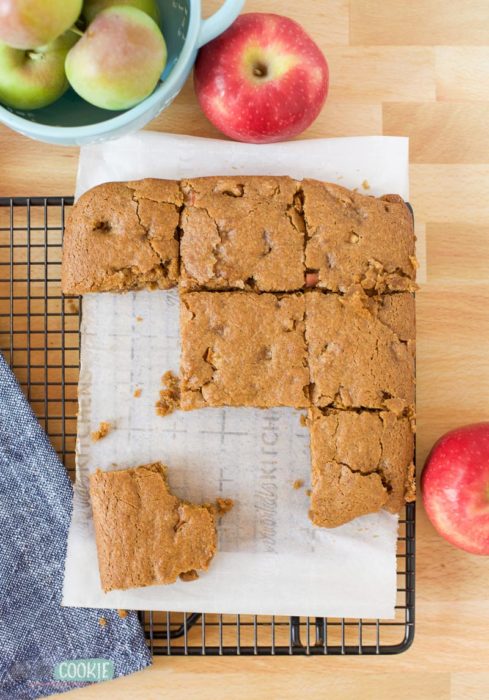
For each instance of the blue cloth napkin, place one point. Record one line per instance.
(36, 633)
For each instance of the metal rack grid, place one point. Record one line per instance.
(39, 335)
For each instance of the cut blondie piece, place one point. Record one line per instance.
(123, 236)
(242, 233)
(145, 535)
(356, 240)
(361, 350)
(361, 462)
(243, 349)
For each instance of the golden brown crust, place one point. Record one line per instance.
(145, 535)
(243, 349)
(242, 233)
(122, 236)
(361, 351)
(361, 462)
(356, 240)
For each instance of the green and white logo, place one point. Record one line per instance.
(85, 670)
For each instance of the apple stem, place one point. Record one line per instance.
(75, 30)
(34, 56)
(260, 70)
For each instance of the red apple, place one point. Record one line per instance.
(262, 80)
(455, 487)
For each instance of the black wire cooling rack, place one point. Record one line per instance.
(39, 335)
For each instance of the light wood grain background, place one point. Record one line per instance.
(410, 67)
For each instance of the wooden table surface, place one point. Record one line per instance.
(417, 68)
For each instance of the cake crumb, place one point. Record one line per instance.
(414, 261)
(122, 613)
(410, 492)
(169, 399)
(224, 505)
(366, 185)
(72, 305)
(102, 621)
(139, 319)
(411, 415)
(298, 484)
(303, 420)
(309, 492)
(191, 575)
(137, 393)
(103, 430)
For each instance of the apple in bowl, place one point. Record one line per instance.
(27, 24)
(119, 59)
(455, 487)
(262, 80)
(36, 78)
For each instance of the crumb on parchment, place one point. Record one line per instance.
(103, 429)
(224, 505)
(191, 575)
(366, 185)
(298, 484)
(309, 492)
(137, 392)
(303, 420)
(139, 319)
(169, 399)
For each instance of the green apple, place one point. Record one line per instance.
(27, 24)
(91, 8)
(35, 78)
(119, 59)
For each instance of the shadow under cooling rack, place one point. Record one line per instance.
(39, 336)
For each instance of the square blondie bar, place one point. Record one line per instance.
(361, 350)
(243, 349)
(123, 236)
(361, 462)
(356, 240)
(242, 233)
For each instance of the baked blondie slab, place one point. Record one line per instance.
(361, 462)
(145, 535)
(247, 253)
(243, 349)
(123, 236)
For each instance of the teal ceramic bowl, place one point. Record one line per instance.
(73, 122)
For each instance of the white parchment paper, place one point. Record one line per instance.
(271, 560)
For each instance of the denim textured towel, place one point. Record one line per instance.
(36, 633)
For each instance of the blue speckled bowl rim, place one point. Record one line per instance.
(101, 128)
